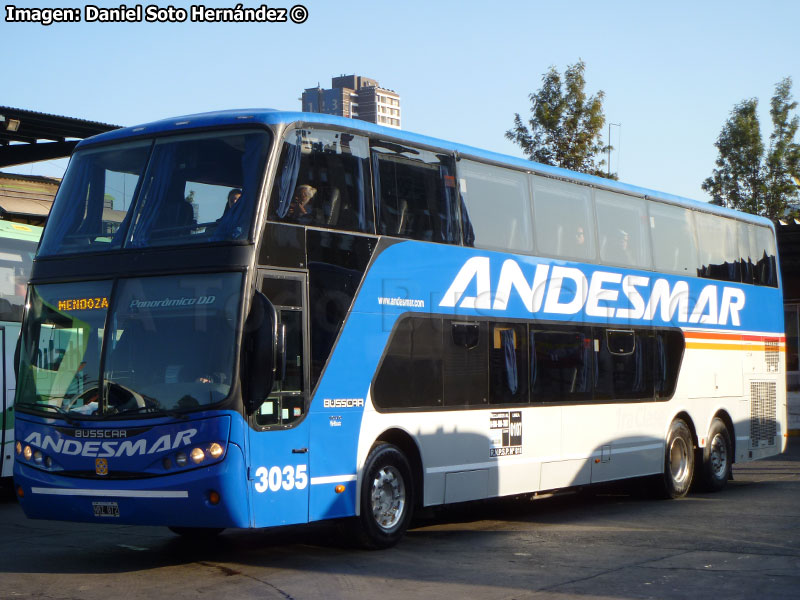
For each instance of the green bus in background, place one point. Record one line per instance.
(17, 247)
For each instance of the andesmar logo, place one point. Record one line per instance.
(108, 449)
(560, 290)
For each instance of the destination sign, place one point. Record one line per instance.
(71, 304)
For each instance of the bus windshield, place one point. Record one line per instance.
(174, 190)
(167, 345)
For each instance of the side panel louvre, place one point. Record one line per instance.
(763, 415)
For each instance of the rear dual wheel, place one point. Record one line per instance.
(717, 458)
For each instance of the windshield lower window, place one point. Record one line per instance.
(169, 191)
(169, 345)
(60, 349)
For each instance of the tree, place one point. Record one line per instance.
(738, 182)
(746, 178)
(565, 126)
(783, 157)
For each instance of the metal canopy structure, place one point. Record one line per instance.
(27, 136)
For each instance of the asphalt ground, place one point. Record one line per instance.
(611, 542)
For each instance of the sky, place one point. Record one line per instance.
(671, 71)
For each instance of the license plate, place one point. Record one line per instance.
(105, 509)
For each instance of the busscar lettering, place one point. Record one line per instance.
(342, 402)
(563, 290)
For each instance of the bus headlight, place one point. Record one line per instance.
(181, 459)
(38, 457)
(19, 447)
(215, 450)
(197, 455)
(27, 453)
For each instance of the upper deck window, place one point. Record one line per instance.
(622, 229)
(718, 247)
(563, 219)
(415, 193)
(497, 204)
(94, 197)
(172, 191)
(323, 181)
(673, 238)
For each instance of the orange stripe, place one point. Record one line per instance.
(749, 347)
(698, 335)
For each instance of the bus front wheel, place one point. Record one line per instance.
(717, 458)
(387, 498)
(678, 460)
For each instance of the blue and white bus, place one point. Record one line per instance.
(259, 318)
(17, 248)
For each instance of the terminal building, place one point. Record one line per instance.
(355, 97)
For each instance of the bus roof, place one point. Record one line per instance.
(266, 116)
(18, 231)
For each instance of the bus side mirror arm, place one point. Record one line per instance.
(17, 350)
(264, 355)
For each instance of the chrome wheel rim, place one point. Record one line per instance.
(388, 497)
(678, 460)
(719, 456)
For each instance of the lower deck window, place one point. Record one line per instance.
(434, 361)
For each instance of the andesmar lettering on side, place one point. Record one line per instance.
(603, 294)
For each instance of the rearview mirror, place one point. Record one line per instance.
(263, 356)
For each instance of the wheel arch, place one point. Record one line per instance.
(405, 442)
(725, 417)
(686, 418)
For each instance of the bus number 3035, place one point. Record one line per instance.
(275, 478)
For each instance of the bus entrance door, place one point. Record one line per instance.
(278, 444)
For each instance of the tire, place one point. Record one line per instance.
(678, 461)
(717, 458)
(197, 533)
(387, 498)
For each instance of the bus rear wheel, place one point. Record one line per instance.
(387, 498)
(678, 460)
(717, 458)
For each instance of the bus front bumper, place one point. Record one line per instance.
(185, 499)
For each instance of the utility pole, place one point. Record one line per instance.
(609, 144)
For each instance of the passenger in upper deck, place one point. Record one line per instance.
(301, 210)
(233, 198)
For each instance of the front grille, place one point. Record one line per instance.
(111, 475)
(763, 414)
(772, 355)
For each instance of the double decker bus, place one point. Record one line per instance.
(259, 318)
(17, 248)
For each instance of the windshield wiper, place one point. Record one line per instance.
(63, 413)
(152, 409)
